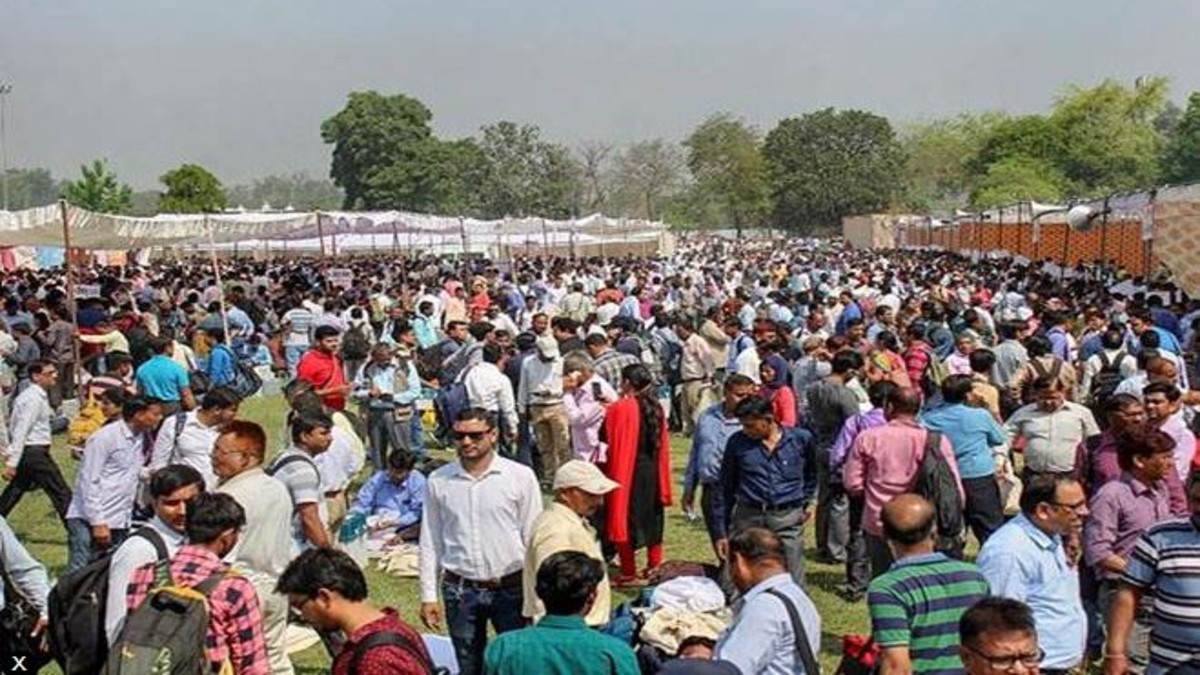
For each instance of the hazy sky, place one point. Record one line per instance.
(241, 86)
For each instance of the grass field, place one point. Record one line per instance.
(38, 527)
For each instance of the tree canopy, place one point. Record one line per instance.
(98, 189)
(191, 189)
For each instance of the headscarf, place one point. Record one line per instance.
(779, 367)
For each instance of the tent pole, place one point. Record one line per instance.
(71, 306)
(545, 240)
(321, 234)
(462, 230)
(212, 249)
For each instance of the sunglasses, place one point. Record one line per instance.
(473, 435)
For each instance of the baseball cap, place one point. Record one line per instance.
(583, 475)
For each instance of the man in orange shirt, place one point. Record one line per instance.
(322, 368)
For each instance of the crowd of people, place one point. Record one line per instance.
(1002, 461)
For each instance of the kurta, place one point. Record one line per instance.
(622, 429)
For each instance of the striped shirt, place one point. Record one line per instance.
(1167, 559)
(917, 604)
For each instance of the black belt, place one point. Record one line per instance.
(785, 506)
(512, 580)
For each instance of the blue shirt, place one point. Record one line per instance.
(973, 432)
(27, 574)
(1060, 346)
(852, 312)
(713, 430)
(1024, 563)
(760, 639)
(750, 474)
(220, 366)
(381, 496)
(162, 378)
(424, 331)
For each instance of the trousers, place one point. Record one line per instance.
(37, 470)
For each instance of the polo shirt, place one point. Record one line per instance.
(1024, 563)
(917, 604)
(1167, 559)
(559, 645)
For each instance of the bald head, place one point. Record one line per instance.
(1159, 368)
(908, 521)
(905, 401)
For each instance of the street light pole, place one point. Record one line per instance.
(5, 88)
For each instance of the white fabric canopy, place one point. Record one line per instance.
(42, 226)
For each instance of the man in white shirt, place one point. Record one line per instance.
(478, 514)
(171, 488)
(761, 638)
(265, 548)
(490, 389)
(188, 436)
(28, 464)
(1052, 427)
(540, 402)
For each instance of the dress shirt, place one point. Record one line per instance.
(760, 638)
(383, 659)
(585, 414)
(477, 527)
(29, 423)
(752, 475)
(541, 383)
(1163, 566)
(107, 482)
(973, 432)
(266, 546)
(1024, 563)
(489, 389)
(194, 446)
(696, 360)
(133, 553)
(1185, 442)
(1051, 438)
(235, 621)
(883, 464)
(830, 404)
(1011, 356)
(401, 502)
(340, 464)
(1120, 511)
(851, 428)
(712, 433)
(384, 379)
(558, 528)
(1126, 366)
(26, 573)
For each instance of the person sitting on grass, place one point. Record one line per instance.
(394, 498)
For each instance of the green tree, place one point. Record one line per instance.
(1018, 178)
(191, 189)
(381, 147)
(28, 188)
(648, 175)
(1031, 137)
(830, 164)
(725, 159)
(298, 190)
(1181, 158)
(99, 190)
(524, 175)
(938, 154)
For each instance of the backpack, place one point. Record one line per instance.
(394, 639)
(429, 361)
(452, 400)
(936, 482)
(1039, 372)
(245, 382)
(166, 634)
(1105, 383)
(933, 374)
(77, 607)
(355, 345)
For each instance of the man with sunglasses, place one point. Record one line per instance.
(1026, 560)
(478, 514)
(998, 635)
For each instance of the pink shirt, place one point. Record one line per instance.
(883, 463)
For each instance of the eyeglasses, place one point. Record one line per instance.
(296, 609)
(473, 435)
(1009, 662)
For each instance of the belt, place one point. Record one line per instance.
(512, 580)
(785, 506)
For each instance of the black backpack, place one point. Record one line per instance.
(355, 345)
(1039, 371)
(936, 482)
(1105, 383)
(77, 607)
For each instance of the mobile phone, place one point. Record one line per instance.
(596, 392)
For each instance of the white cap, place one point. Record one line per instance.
(585, 476)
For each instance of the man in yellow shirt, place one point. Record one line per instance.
(579, 489)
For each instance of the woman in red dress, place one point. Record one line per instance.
(639, 460)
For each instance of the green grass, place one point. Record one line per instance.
(38, 527)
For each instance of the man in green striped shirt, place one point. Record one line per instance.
(915, 606)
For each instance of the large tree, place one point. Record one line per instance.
(1181, 157)
(31, 187)
(729, 173)
(829, 164)
(98, 189)
(525, 175)
(937, 156)
(1016, 179)
(648, 175)
(191, 189)
(298, 190)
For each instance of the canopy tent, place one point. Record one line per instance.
(44, 226)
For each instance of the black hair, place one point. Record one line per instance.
(326, 331)
(218, 398)
(566, 580)
(477, 415)
(1112, 339)
(1167, 389)
(174, 477)
(480, 330)
(210, 515)
(995, 614)
(308, 421)
(492, 353)
(756, 544)
(115, 396)
(755, 406)
(323, 568)
(982, 361)
(136, 405)
(956, 388)
(845, 361)
(1042, 488)
(402, 460)
(879, 392)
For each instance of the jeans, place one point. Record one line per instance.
(293, 353)
(417, 431)
(81, 550)
(468, 612)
